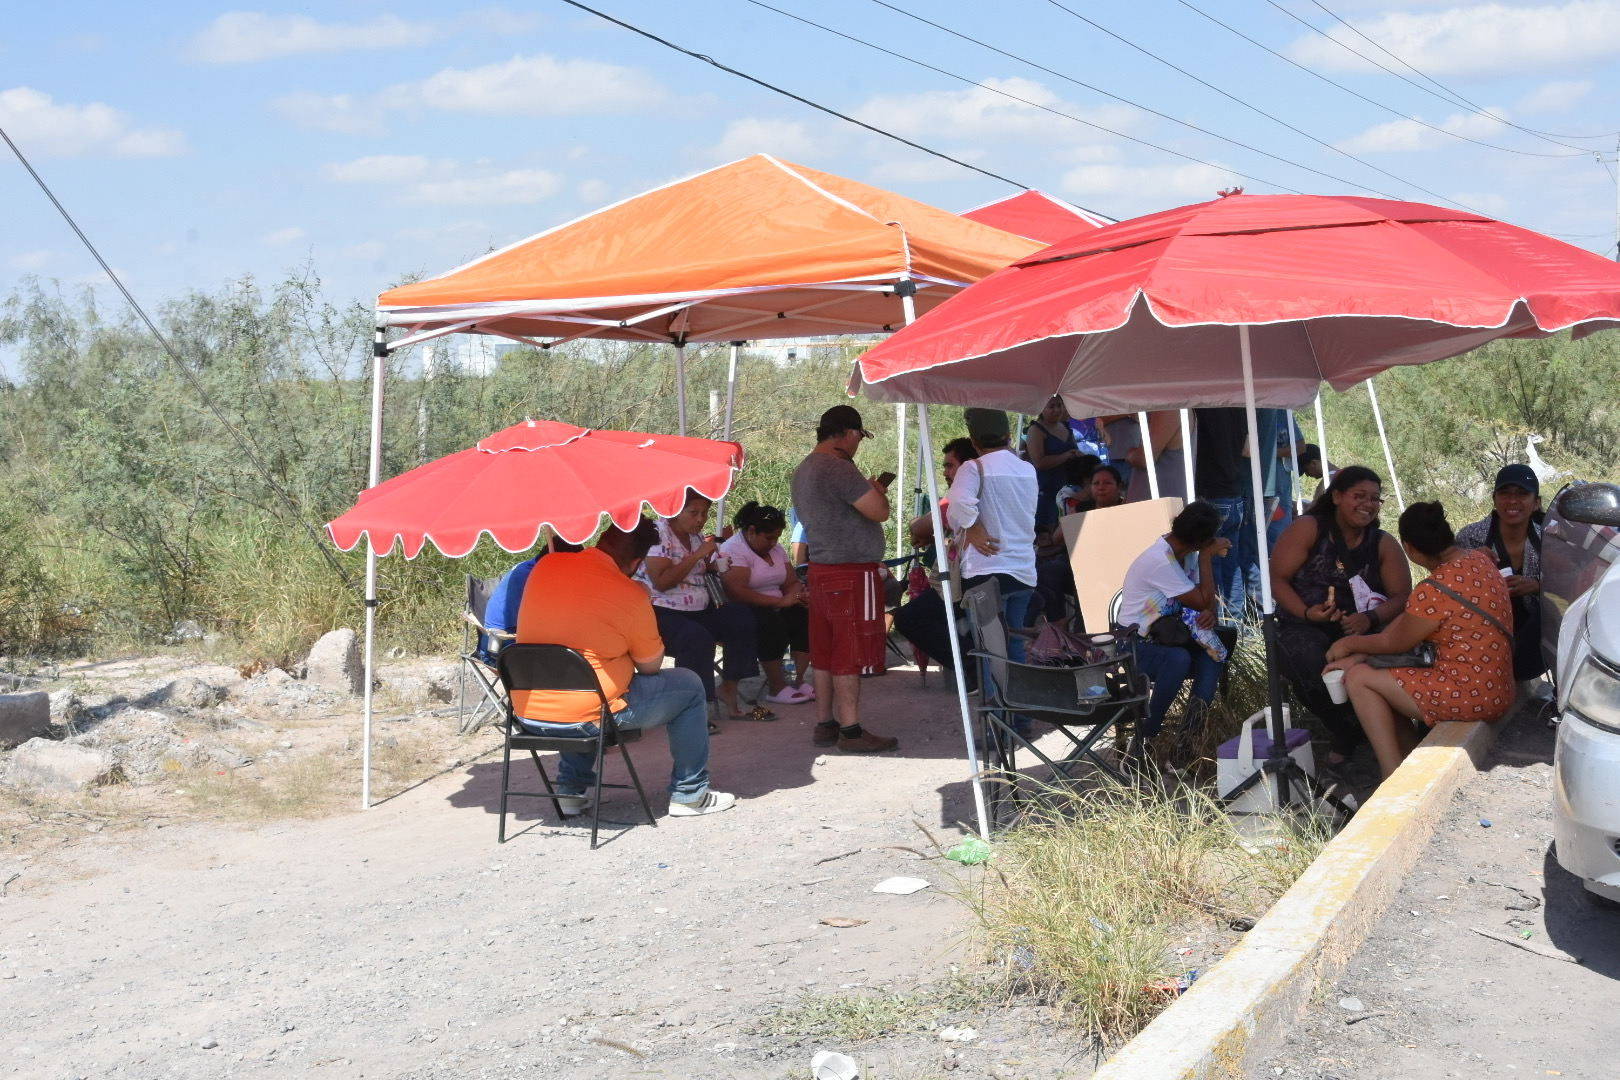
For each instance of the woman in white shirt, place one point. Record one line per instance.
(688, 619)
(762, 576)
(1162, 582)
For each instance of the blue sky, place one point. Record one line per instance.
(197, 142)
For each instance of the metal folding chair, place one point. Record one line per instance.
(557, 667)
(478, 658)
(1081, 702)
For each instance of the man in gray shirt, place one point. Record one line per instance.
(843, 514)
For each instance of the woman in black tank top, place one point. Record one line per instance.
(1335, 572)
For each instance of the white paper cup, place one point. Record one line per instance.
(1335, 686)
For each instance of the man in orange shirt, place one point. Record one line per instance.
(586, 601)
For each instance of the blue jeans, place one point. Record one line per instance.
(671, 699)
(1237, 573)
(1169, 666)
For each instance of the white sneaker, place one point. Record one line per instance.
(573, 805)
(712, 803)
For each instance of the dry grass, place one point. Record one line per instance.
(1087, 896)
(864, 1015)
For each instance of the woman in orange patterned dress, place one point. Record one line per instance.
(1472, 676)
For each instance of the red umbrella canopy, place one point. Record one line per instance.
(535, 474)
(1037, 215)
(1142, 314)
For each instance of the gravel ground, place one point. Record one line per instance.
(1427, 997)
(404, 942)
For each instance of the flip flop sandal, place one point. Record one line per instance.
(758, 712)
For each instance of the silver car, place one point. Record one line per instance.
(1580, 580)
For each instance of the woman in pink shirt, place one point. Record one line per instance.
(762, 576)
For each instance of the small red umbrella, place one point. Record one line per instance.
(1144, 314)
(1036, 215)
(536, 474)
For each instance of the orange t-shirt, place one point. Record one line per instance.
(584, 601)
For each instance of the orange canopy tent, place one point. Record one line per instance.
(1037, 215)
(759, 248)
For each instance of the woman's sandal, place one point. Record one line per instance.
(758, 712)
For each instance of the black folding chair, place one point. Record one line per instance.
(1078, 701)
(559, 668)
(476, 658)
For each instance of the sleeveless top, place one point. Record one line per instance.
(1332, 564)
(1049, 480)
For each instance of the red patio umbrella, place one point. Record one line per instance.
(1245, 300)
(1144, 314)
(533, 475)
(1036, 215)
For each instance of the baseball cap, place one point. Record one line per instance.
(839, 419)
(1517, 475)
(985, 422)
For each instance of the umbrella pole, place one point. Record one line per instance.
(680, 385)
(379, 360)
(1187, 451)
(1389, 458)
(1147, 453)
(926, 439)
(900, 480)
(1279, 765)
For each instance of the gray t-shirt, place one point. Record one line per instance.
(825, 489)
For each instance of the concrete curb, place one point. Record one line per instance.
(1240, 1010)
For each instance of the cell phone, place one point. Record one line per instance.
(1506, 571)
(886, 478)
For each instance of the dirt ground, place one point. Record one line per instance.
(1428, 997)
(404, 942)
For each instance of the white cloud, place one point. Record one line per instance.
(241, 37)
(378, 169)
(1556, 96)
(513, 186)
(345, 113)
(1155, 186)
(29, 261)
(592, 191)
(988, 112)
(1405, 135)
(45, 129)
(282, 237)
(536, 86)
(1479, 40)
(760, 135)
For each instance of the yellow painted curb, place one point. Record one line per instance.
(1242, 1008)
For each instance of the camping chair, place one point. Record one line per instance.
(557, 667)
(479, 646)
(1074, 700)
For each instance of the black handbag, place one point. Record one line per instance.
(1170, 631)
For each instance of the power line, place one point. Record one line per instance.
(1449, 94)
(185, 369)
(1357, 94)
(1233, 97)
(790, 94)
(1058, 112)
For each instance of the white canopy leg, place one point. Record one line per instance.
(680, 386)
(1296, 488)
(1389, 458)
(925, 440)
(731, 403)
(900, 482)
(379, 360)
(1187, 451)
(1321, 441)
(1147, 453)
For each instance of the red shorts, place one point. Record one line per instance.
(847, 635)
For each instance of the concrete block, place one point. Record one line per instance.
(44, 765)
(335, 663)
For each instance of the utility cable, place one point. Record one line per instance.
(1446, 92)
(1233, 97)
(184, 368)
(790, 94)
(1058, 112)
(1357, 94)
